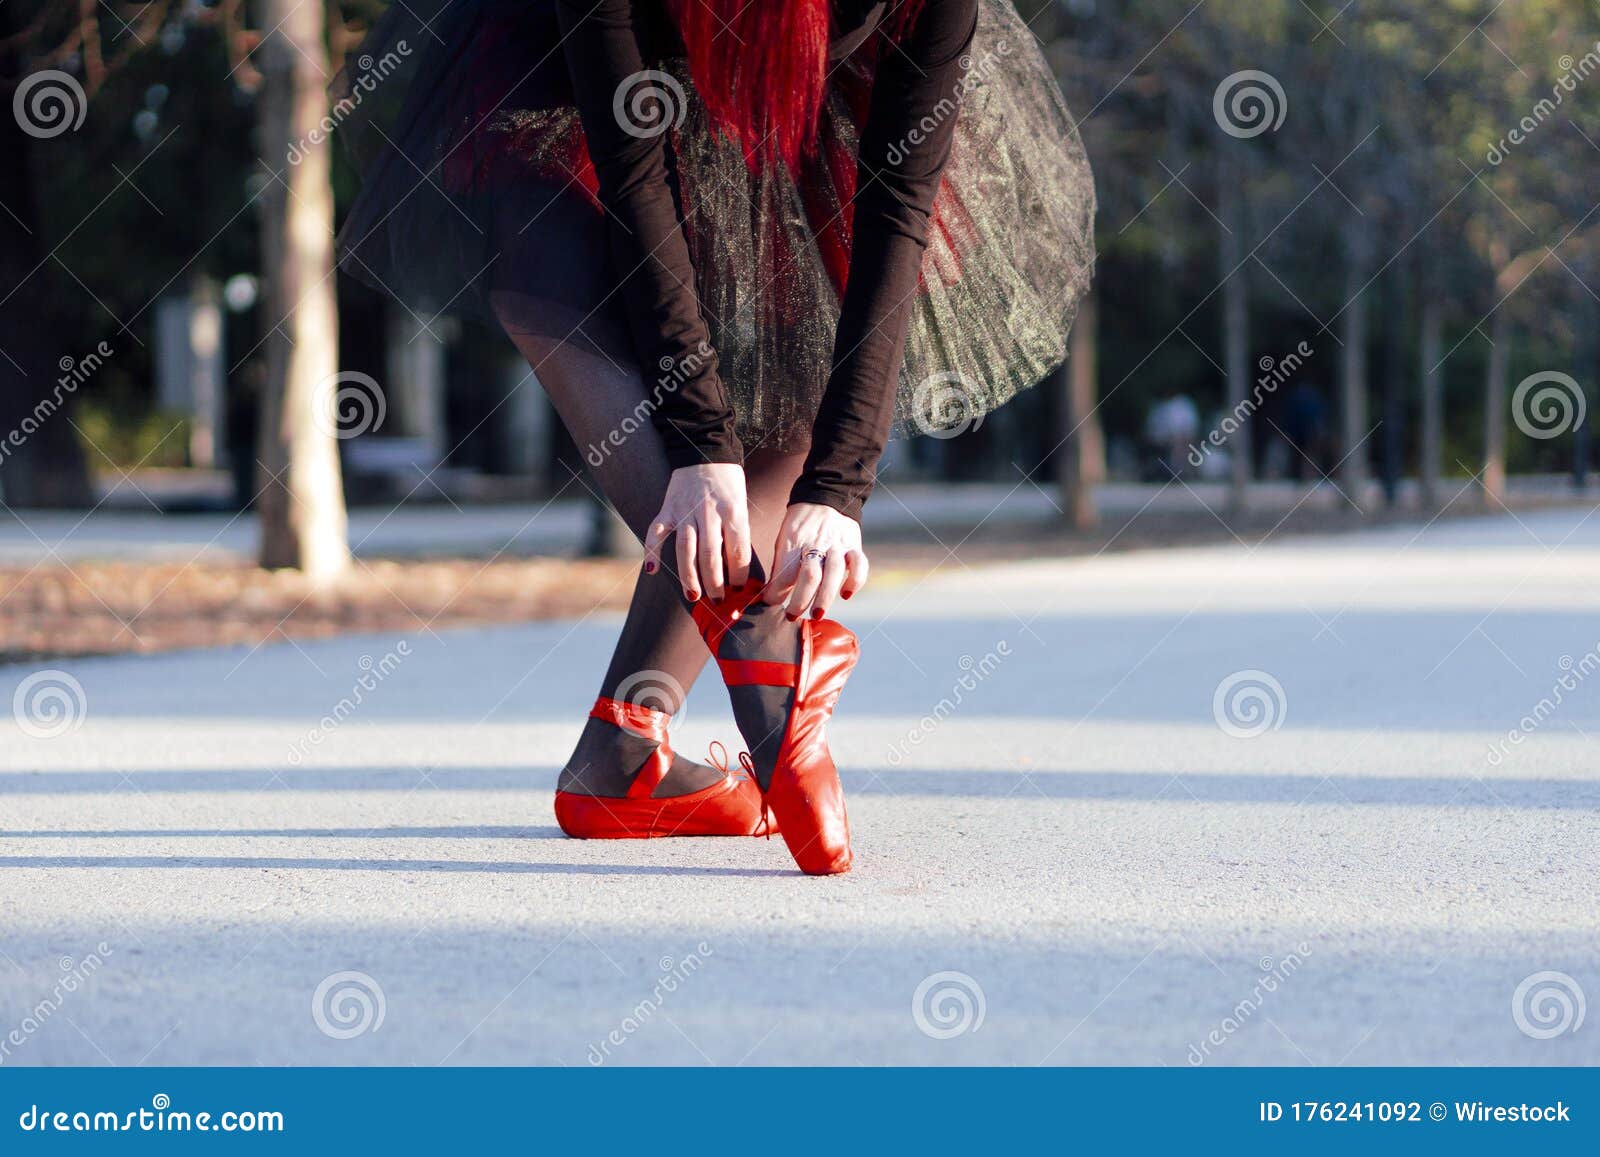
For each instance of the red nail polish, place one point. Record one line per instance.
(816, 613)
(791, 618)
(692, 596)
(649, 568)
(846, 594)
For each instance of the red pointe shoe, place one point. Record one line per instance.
(732, 807)
(805, 795)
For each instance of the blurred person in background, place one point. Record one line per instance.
(1171, 429)
(742, 243)
(1305, 425)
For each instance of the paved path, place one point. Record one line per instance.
(1074, 833)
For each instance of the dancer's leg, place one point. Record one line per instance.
(769, 476)
(659, 653)
(764, 632)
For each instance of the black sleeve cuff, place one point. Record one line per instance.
(846, 499)
(697, 447)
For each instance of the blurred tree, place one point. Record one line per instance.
(1082, 443)
(301, 499)
(1375, 188)
(42, 463)
(44, 467)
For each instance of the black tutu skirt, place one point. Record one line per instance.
(478, 200)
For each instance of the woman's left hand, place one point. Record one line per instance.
(818, 557)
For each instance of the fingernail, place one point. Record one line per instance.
(692, 596)
(649, 568)
(816, 613)
(846, 594)
(791, 618)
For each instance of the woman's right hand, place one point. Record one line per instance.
(705, 506)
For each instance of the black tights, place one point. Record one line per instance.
(659, 653)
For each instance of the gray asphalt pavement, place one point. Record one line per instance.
(1212, 805)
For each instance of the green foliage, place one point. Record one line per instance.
(122, 432)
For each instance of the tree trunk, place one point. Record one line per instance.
(1083, 448)
(1235, 333)
(48, 467)
(301, 502)
(1353, 386)
(1432, 352)
(1398, 295)
(1494, 410)
(1586, 319)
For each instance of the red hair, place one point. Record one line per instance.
(761, 68)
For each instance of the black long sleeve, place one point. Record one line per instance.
(903, 152)
(644, 230)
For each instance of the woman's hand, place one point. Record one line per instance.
(818, 557)
(705, 505)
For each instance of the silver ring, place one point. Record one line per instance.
(818, 555)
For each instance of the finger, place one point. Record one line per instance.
(709, 556)
(856, 569)
(654, 537)
(686, 571)
(736, 543)
(833, 576)
(782, 580)
(805, 586)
